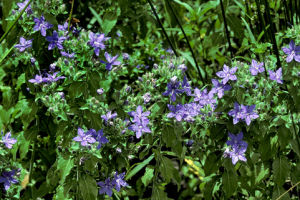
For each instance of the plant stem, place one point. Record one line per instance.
(70, 16)
(226, 28)
(14, 23)
(162, 27)
(187, 40)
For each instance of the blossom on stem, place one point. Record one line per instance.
(293, 52)
(8, 140)
(85, 139)
(24, 44)
(41, 25)
(110, 61)
(8, 178)
(227, 74)
(55, 40)
(256, 67)
(276, 76)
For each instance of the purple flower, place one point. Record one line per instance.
(109, 116)
(100, 91)
(241, 112)
(186, 87)
(32, 60)
(52, 67)
(256, 67)
(8, 178)
(219, 88)
(22, 6)
(183, 67)
(236, 154)
(292, 53)
(118, 181)
(8, 140)
(276, 76)
(55, 40)
(42, 25)
(147, 98)
(173, 89)
(63, 27)
(110, 61)
(52, 78)
(38, 79)
(237, 113)
(249, 113)
(139, 115)
(125, 56)
(185, 112)
(98, 136)
(106, 187)
(97, 41)
(140, 127)
(236, 140)
(86, 139)
(227, 74)
(65, 54)
(203, 97)
(24, 44)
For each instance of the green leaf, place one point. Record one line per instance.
(146, 179)
(97, 16)
(281, 170)
(109, 21)
(187, 6)
(88, 187)
(168, 170)
(277, 191)
(229, 179)
(158, 193)
(262, 174)
(138, 167)
(252, 38)
(65, 166)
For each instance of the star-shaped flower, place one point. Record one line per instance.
(276, 76)
(227, 74)
(293, 52)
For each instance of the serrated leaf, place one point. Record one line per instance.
(158, 193)
(88, 187)
(263, 172)
(65, 166)
(168, 170)
(281, 170)
(229, 180)
(277, 191)
(146, 179)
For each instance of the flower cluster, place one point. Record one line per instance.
(241, 112)
(140, 121)
(238, 148)
(50, 78)
(90, 137)
(117, 183)
(173, 88)
(185, 112)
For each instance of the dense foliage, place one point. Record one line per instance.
(150, 99)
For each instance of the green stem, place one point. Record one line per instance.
(226, 28)
(14, 23)
(187, 40)
(70, 16)
(162, 27)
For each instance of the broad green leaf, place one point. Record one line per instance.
(110, 20)
(281, 170)
(88, 187)
(229, 179)
(138, 167)
(168, 170)
(64, 166)
(147, 178)
(158, 193)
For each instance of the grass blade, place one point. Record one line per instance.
(14, 23)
